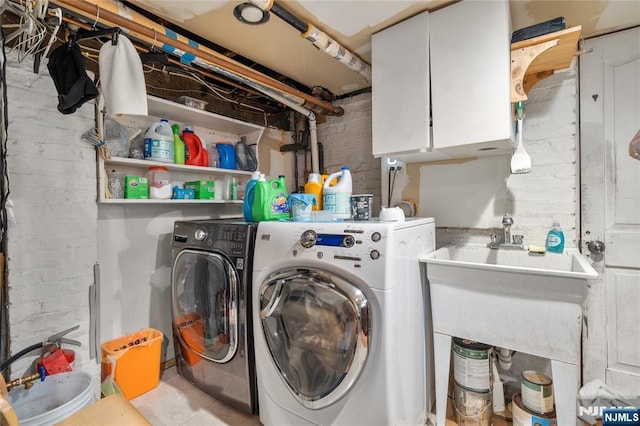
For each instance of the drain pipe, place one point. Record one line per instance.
(319, 38)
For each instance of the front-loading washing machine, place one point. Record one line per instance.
(341, 323)
(211, 304)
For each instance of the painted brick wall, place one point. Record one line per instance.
(347, 142)
(472, 196)
(52, 242)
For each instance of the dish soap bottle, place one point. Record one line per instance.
(555, 239)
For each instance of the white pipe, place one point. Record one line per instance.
(334, 49)
(311, 116)
(504, 357)
(319, 39)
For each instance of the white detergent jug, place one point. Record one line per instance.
(337, 198)
(158, 142)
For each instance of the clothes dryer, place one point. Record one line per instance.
(211, 303)
(341, 326)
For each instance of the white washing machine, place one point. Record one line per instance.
(342, 336)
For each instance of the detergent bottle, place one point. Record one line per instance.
(227, 155)
(337, 197)
(178, 145)
(270, 200)
(158, 142)
(314, 186)
(249, 195)
(196, 154)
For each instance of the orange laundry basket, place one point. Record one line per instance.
(137, 361)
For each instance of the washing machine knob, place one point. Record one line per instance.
(308, 238)
(375, 237)
(349, 241)
(375, 254)
(200, 234)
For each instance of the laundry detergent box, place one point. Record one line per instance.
(204, 189)
(136, 187)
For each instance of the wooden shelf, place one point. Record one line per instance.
(537, 58)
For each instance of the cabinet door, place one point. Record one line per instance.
(470, 75)
(400, 88)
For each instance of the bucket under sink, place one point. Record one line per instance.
(57, 397)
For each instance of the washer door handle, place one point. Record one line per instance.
(271, 305)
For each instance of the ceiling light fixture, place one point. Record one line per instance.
(251, 14)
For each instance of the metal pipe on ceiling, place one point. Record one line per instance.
(113, 13)
(319, 38)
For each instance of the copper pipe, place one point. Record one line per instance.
(149, 35)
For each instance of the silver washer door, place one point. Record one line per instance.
(317, 329)
(205, 305)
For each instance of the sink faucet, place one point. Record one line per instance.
(508, 241)
(507, 221)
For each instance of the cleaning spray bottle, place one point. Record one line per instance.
(249, 195)
(178, 145)
(555, 239)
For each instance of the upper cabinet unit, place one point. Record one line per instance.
(400, 88)
(441, 84)
(470, 78)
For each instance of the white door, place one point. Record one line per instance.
(609, 119)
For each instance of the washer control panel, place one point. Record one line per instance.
(350, 243)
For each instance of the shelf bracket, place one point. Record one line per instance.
(520, 61)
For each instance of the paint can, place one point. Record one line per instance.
(472, 408)
(472, 365)
(525, 417)
(536, 392)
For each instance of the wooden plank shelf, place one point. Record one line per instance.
(537, 58)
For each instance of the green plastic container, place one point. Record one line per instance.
(270, 200)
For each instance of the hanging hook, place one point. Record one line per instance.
(93, 27)
(155, 39)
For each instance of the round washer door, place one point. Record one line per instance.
(317, 329)
(205, 305)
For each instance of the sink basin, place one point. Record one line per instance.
(556, 276)
(510, 299)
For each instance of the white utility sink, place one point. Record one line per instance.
(512, 299)
(556, 276)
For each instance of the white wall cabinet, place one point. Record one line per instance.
(470, 78)
(452, 65)
(208, 126)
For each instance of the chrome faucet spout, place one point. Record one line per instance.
(508, 242)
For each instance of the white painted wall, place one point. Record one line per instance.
(52, 243)
(477, 193)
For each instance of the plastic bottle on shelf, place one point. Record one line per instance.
(337, 198)
(158, 142)
(555, 239)
(159, 181)
(197, 155)
(214, 157)
(270, 200)
(314, 186)
(249, 193)
(178, 145)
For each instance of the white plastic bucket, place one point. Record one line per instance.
(58, 397)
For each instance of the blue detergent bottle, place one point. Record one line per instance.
(249, 196)
(555, 239)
